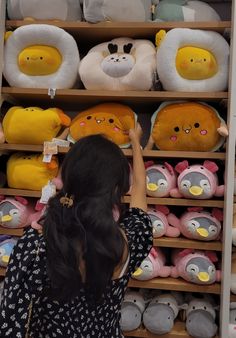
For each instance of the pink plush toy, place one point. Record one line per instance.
(17, 212)
(196, 223)
(161, 179)
(2, 137)
(197, 181)
(152, 266)
(159, 217)
(195, 266)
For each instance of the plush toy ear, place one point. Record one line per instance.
(181, 166)
(169, 167)
(39, 206)
(2, 197)
(195, 209)
(211, 166)
(185, 252)
(163, 209)
(212, 256)
(148, 164)
(21, 200)
(153, 253)
(218, 214)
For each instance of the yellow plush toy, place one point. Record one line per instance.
(28, 171)
(110, 119)
(33, 125)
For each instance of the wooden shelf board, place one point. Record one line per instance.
(232, 297)
(89, 96)
(174, 285)
(185, 243)
(19, 192)
(2, 271)
(127, 152)
(178, 331)
(11, 232)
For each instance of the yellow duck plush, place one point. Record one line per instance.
(33, 125)
(28, 171)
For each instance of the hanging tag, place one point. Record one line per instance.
(52, 92)
(153, 7)
(61, 143)
(48, 191)
(50, 148)
(47, 158)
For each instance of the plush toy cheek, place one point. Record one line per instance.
(116, 129)
(203, 132)
(82, 124)
(173, 138)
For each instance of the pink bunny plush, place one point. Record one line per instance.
(152, 266)
(196, 223)
(159, 217)
(161, 179)
(17, 212)
(195, 266)
(197, 181)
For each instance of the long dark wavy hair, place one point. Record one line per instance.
(96, 173)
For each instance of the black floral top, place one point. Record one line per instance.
(26, 279)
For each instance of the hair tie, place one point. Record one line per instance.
(67, 201)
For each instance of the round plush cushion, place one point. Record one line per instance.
(134, 71)
(184, 37)
(45, 35)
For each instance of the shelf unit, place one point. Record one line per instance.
(94, 33)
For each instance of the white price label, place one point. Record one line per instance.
(61, 143)
(48, 191)
(47, 158)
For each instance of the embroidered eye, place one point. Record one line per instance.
(89, 117)
(191, 60)
(176, 129)
(27, 58)
(123, 57)
(111, 120)
(204, 60)
(196, 125)
(41, 58)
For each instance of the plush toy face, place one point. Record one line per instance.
(200, 270)
(22, 169)
(158, 225)
(159, 181)
(194, 63)
(39, 60)
(202, 228)
(195, 185)
(145, 271)
(186, 126)
(159, 318)
(118, 65)
(9, 215)
(33, 125)
(112, 120)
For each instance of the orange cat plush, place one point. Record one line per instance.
(110, 119)
(188, 126)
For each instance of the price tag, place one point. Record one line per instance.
(52, 92)
(47, 158)
(50, 148)
(48, 191)
(61, 143)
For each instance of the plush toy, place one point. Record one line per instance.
(195, 266)
(188, 126)
(152, 266)
(160, 222)
(44, 10)
(161, 312)
(111, 119)
(120, 64)
(17, 212)
(192, 60)
(233, 273)
(33, 125)
(196, 223)
(234, 225)
(201, 316)
(2, 137)
(232, 321)
(184, 10)
(28, 171)
(132, 309)
(41, 56)
(7, 244)
(161, 179)
(197, 181)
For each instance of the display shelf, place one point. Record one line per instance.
(127, 152)
(11, 232)
(178, 331)
(232, 297)
(180, 242)
(173, 284)
(69, 96)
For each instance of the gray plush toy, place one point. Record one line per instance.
(161, 312)
(201, 316)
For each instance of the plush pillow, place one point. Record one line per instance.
(33, 125)
(117, 10)
(192, 60)
(44, 9)
(28, 171)
(41, 56)
(184, 10)
(110, 119)
(188, 126)
(120, 64)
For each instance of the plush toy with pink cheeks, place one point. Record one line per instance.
(152, 266)
(197, 181)
(195, 266)
(196, 223)
(17, 212)
(160, 224)
(161, 179)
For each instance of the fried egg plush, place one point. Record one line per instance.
(33, 125)
(110, 119)
(192, 60)
(44, 10)
(28, 171)
(187, 126)
(41, 56)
